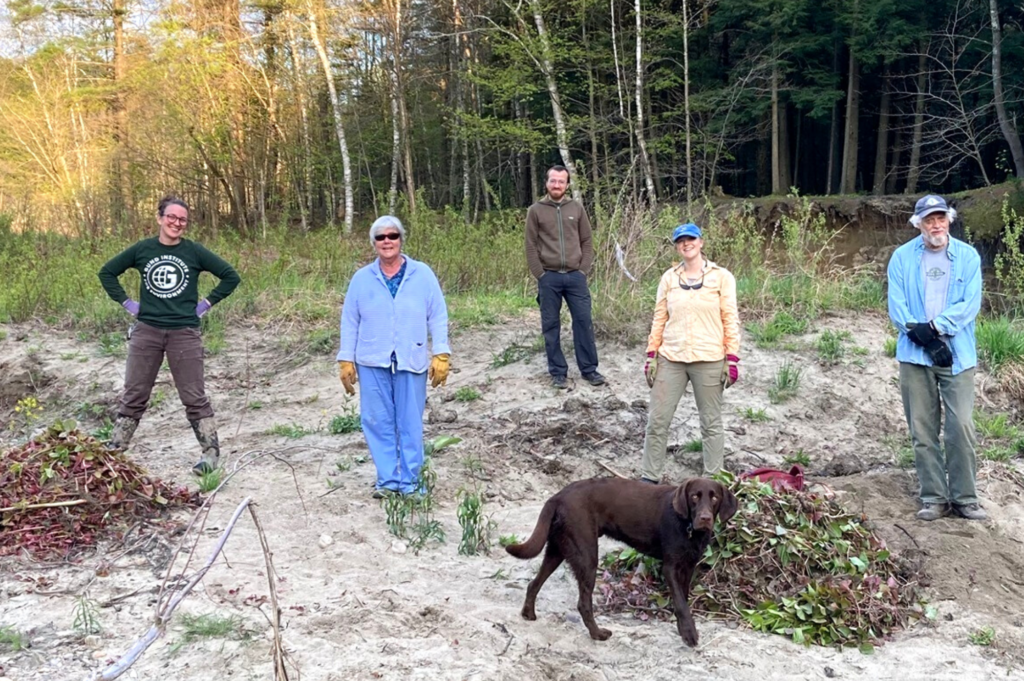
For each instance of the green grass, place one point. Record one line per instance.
(1000, 342)
(769, 333)
(693, 446)
(830, 346)
(985, 636)
(195, 627)
(11, 639)
(322, 341)
(211, 481)
(291, 431)
(998, 453)
(994, 426)
(466, 394)
(799, 456)
(756, 415)
(516, 351)
(785, 384)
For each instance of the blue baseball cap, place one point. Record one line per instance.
(929, 204)
(689, 229)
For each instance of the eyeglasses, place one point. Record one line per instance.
(176, 219)
(391, 236)
(691, 287)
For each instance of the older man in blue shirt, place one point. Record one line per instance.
(934, 297)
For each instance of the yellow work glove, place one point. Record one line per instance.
(348, 376)
(438, 372)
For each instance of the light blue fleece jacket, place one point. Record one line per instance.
(963, 301)
(373, 324)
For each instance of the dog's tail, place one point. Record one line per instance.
(532, 546)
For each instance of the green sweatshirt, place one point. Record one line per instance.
(170, 280)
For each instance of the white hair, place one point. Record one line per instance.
(916, 220)
(385, 221)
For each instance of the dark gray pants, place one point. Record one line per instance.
(552, 287)
(184, 351)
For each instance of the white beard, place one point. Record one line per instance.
(936, 242)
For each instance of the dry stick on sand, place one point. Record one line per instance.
(164, 615)
(280, 656)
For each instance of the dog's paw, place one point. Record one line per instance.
(529, 614)
(689, 633)
(599, 634)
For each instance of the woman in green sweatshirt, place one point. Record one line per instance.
(168, 312)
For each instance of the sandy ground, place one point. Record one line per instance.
(365, 606)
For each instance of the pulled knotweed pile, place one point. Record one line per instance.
(63, 491)
(788, 563)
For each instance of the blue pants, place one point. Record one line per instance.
(391, 412)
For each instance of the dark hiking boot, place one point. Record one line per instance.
(971, 511)
(206, 435)
(933, 511)
(121, 435)
(594, 379)
(559, 382)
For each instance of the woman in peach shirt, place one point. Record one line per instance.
(695, 338)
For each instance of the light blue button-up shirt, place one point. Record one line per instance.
(374, 324)
(963, 302)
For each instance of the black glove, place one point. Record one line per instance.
(940, 354)
(922, 334)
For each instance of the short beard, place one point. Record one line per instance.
(936, 242)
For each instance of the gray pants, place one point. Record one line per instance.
(184, 351)
(945, 476)
(669, 386)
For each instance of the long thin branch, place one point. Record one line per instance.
(135, 652)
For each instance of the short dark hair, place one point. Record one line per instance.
(558, 169)
(170, 201)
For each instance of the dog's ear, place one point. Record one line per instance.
(727, 507)
(681, 499)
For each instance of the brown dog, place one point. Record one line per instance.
(670, 523)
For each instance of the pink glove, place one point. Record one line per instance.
(131, 306)
(203, 307)
(732, 362)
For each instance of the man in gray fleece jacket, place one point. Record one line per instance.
(560, 252)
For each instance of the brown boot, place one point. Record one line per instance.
(121, 435)
(206, 434)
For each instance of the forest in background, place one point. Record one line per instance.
(314, 113)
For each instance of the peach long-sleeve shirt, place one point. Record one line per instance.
(699, 325)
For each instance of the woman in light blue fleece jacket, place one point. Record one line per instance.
(390, 308)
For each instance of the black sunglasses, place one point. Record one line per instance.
(691, 287)
(393, 236)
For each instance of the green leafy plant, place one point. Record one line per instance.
(86, 616)
(508, 539)
(985, 636)
(411, 516)
(346, 422)
(785, 384)
(466, 394)
(476, 526)
(511, 354)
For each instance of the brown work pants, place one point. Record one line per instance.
(184, 351)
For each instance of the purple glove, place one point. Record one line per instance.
(131, 306)
(203, 307)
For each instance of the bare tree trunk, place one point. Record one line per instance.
(561, 133)
(339, 127)
(894, 159)
(299, 72)
(914, 171)
(1005, 124)
(848, 181)
(882, 145)
(615, 55)
(592, 119)
(461, 58)
(686, 105)
(833, 134)
(777, 187)
(645, 160)
(396, 146)
(124, 204)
